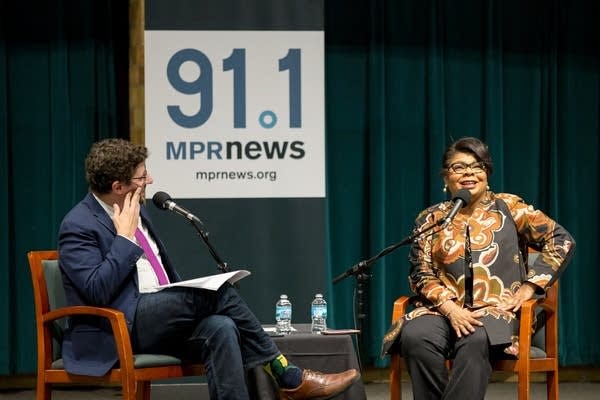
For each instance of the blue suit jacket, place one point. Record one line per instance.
(98, 269)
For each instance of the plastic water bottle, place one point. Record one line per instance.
(318, 312)
(283, 315)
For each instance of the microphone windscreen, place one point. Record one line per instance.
(462, 194)
(160, 200)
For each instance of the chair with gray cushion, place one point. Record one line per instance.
(134, 372)
(537, 352)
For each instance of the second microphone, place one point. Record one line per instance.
(163, 201)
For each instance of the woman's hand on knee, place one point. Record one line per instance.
(464, 321)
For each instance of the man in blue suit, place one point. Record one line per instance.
(110, 255)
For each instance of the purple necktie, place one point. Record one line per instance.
(158, 270)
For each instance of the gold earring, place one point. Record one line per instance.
(487, 188)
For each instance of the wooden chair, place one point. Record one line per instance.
(541, 355)
(134, 372)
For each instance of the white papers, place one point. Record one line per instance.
(339, 331)
(211, 282)
(272, 329)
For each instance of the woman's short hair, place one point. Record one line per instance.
(470, 145)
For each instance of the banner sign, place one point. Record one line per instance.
(235, 128)
(236, 114)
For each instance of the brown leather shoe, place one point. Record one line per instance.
(319, 386)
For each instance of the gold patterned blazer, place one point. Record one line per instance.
(443, 268)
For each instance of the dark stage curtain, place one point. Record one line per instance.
(404, 78)
(63, 85)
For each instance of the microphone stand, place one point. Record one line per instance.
(361, 270)
(221, 265)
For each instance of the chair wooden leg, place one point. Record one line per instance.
(128, 390)
(143, 390)
(395, 378)
(43, 390)
(524, 385)
(552, 384)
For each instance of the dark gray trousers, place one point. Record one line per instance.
(216, 328)
(427, 342)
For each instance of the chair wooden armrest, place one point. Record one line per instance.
(524, 364)
(134, 372)
(400, 306)
(525, 325)
(117, 322)
(396, 362)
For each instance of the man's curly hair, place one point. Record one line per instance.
(112, 160)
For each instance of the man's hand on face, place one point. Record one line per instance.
(126, 219)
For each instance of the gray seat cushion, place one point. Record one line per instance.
(140, 361)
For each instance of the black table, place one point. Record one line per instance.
(325, 353)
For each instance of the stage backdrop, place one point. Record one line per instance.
(403, 79)
(235, 128)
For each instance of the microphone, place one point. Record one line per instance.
(163, 201)
(460, 199)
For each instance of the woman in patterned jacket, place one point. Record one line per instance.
(472, 279)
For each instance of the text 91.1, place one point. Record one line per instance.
(203, 87)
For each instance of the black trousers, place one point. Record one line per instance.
(427, 341)
(215, 327)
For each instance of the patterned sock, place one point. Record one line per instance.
(287, 375)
